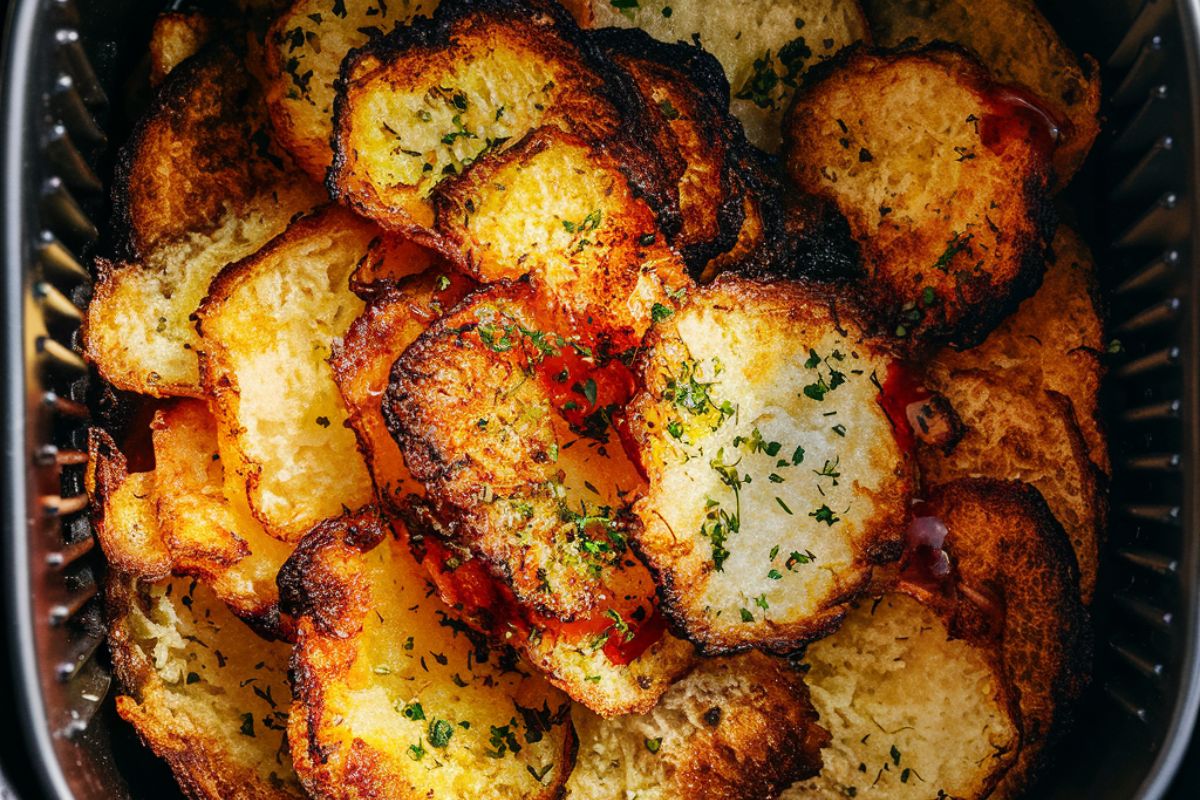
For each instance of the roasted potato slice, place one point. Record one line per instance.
(305, 48)
(740, 727)
(775, 479)
(1056, 337)
(997, 619)
(362, 362)
(506, 426)
(123, 512)
(423, 103)
(913, 709)
(176, 37)
(267, 328)
(765, 47)
(1018, 45)
(1015, 429)
(395, 696)
(197, 188)
(209, 535)
(561, 211)
(204, 692)
(686, 90)
(942, 177)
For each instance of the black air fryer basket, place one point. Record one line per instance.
(66, 70)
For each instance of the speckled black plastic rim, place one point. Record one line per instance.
(22, 119)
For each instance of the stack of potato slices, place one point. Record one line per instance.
(618, 400)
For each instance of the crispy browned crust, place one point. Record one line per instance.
(680, 570)
(688, 95)
(389, 261)
(976, 281)
(324, 585)
(131, 549)
(362, 362)
(760, 745)
(1006, 547)
(596, 258)
(200, 149)
(603, 106)
(1035, 439)
(203, 764)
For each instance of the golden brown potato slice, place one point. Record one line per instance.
(211, 536)
(943, 178)
(1015, 429)
(198, 187)
(1056, 337)
(123, 511)
(395, 696)
(204, 692)
(362, 362)
(1018, 45)
(506, 426)
(267, 329)
(740, 727)
(561, 211)
(424, 103)
(996, 621)
(305, 48)
(686, 90)
(775, 479)
(176, 37)
(912, 708)
(1004, 544)
(765, 46)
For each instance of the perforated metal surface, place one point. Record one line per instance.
(1136, 203)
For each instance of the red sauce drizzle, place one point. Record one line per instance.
(1016, 114)
(578, 388)
(900, 391)
(469, 586)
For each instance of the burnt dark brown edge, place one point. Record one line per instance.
(699, 72)
(647, 174)
(1036, 196)
(842, 303)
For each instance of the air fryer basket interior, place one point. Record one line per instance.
(67, 106)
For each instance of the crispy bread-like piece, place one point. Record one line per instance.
(267, 328)
(688, 95)
(764, 46)
(915, 712)
(210, 536)
(395, 696)
(1018, 430)
(175, 37)
(775, 479)
(740, 727)
(561, 211)
(1018, 45)
(943, 182)
(1057, 337)
(123, 513)
(362, 363)
(1004, 544)
(426, 101)
(198, 188)
(203, 691)
(480, 406)
(305, 48)
(200, 151)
